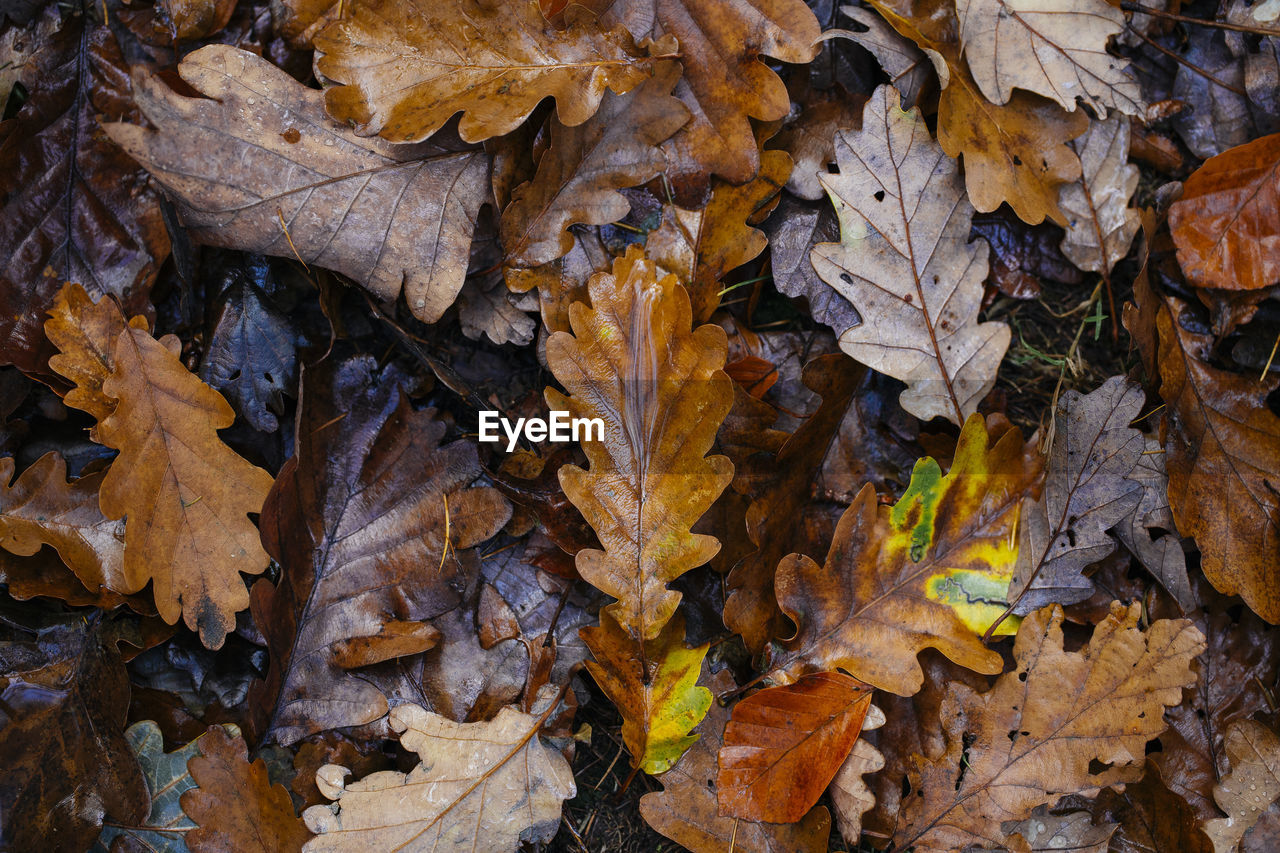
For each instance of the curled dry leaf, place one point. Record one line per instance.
(357, 520)
(500, 789)
(1037, 734)
(1253, 784)
(659, 386)
(1057, 49)
(907, 65)
(1224, 224)
(930, 572)
(686, 809)
(784, 744)
(406, 68)
(1089, 488)
(65, 756)
(579, 175)
(850, 796)
(1016, 152)
(281, 178)
(905, 263)
(654, 687)
(231, 803)
(70, 201)
(702, 246)
(1100, 223)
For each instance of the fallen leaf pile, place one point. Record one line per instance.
(918, 367)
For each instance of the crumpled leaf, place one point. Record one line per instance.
(687, 812)
(1088, 489)
(1016, 152)
(42, 508)
(907, 66)
(659, 386)
(1037, 733)
(1100, 224)
(231, 803)
(70, 201)
(809, 140)
(654, 688)
(1253, 784)
(1022, 254)
(930, 572)
(1057, 49)
(579, 175)
(67, 763)
(1224, 225)
(186, 495)
(278, 176)
(1222, 453)
(356, 519)
(486, 307)
(905, 263)
(1219, 117)
(850, 796)
(502, 788)
(405, 69)
(784, 744)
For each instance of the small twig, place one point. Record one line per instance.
(285, 229)
(1218, 25)
(447, 541)
(555, 617)
(1270, 358)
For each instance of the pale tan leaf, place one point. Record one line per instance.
(850, 796)
(1100, 223)
(1252, 785)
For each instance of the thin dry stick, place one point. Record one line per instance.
(1270, 358)
(1217, 25)
(293, 248)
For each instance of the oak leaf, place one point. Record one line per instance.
(72, 205)
(1089, 488)
(1150, 533)
(784, 744)
(1073, 831)
(357, 521)
(1037, 734)
(1150, 816)
(1253, 751)
(502, 788)
(654, 687)
(231, 802)
(406, 69)
(850, 796)
(634, 361)
(1223, 224)
(1100, 223)
(579, 175)
(687, 811)
(905, 263)
(1057, 49)
(280, 177)
(1015, 152)
(930, 572)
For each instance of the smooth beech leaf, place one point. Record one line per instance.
(906, 264)
(1041, 731)
(932, 571)
(702, 246)
(278, 176)
(1253, 751)
(356, 519)
(480, 786)
(659, 386)
(1224, 225)
(1015, 152)
(42, 508)
(72, 205)
(62, 744)
(579, 175)
(654, 688)
(1089, 488)
(687, 811)
(1222, 454)
(1056, 48)
(784, 745)
(407, 68)
(1100, 223)
(231, 802)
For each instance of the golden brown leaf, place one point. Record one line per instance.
(659, 386)
(1252, 786)
(1224, 224)
(197, 19)
(784, 744)
(1037, 734)
(278, 176)
(906, 264)
(234, 805)
(406, 68)
(84, 332)
(931, 571)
